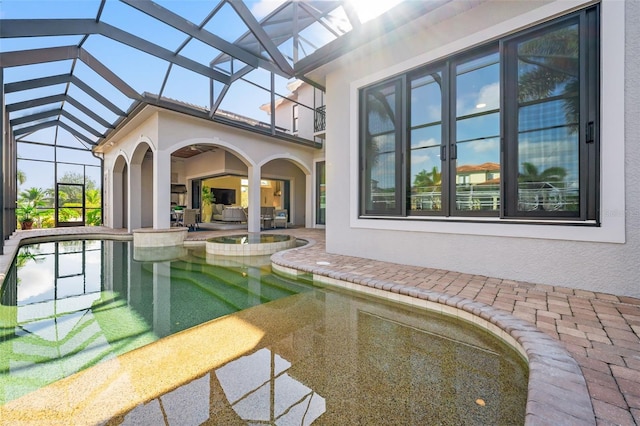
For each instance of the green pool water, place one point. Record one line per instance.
(327, 356)
(251, 239)
(66, 306)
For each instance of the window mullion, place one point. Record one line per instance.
(448, 139)
(401, 145)
(510, 129)
(589, 36)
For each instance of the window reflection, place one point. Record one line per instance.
(260, 390)
(548, 117)
(426, 141)
(381, 146)
(477, 166)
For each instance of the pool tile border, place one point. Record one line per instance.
(557, 389)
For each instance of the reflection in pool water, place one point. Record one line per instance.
(251, 239)
(66, 306)
(324, 356)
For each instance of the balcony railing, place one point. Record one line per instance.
(319, 120)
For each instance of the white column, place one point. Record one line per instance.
(135, 202)
(162, 190)
(113, 217)
(310, 201)
(253, 223)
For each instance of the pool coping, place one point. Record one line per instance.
(557, 391)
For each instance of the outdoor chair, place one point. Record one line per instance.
(281, 217)
(190, 218)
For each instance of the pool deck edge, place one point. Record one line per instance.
(555, 378)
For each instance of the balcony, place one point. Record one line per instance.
(319, 122)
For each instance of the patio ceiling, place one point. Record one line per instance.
(81, 67)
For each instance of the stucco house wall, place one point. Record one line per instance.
(600, 258)
(302, 94)
(166, 131)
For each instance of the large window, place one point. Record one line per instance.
(382, 145)
(54, 180)
(507, 130)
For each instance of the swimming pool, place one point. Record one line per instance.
(317, 354)
(68, 305)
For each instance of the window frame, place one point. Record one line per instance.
(477, 53)
(295, 119)
(589, 168)
(589, 93)
(399, 151)
(430, 69)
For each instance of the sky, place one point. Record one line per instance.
(141, 71)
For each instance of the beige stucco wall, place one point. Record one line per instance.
(595, 258)
(304, 96)
(240, 151)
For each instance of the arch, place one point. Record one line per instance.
(242, 155)
(296, 188)
(307, 170)
(141, 185)
(143, 145)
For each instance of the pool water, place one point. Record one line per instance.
(323, 356)
(66, 306)
(251, 239)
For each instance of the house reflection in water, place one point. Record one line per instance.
(256, 387)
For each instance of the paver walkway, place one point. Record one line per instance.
(601, 331)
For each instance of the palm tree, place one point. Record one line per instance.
(425, 179)
(36, 196)
(549, 176)
(554, 64)
(427, 189)
(541, 190)
(29, 203)
(93, 204)
(21, 177)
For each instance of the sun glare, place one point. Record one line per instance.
(367, 9)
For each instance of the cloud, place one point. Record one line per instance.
(36, 284)
(262, 8)
(485, 145)
(490, 95)
(420, 159)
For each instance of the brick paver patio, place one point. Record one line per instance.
(600, 331)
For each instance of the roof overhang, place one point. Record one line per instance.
(151, 105)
